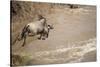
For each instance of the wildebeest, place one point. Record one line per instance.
(73, 6)
(38, 27)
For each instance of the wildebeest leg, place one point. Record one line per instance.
(47, 33)
(43, 36)
(40, 36)
(24, 40)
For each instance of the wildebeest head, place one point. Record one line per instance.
(50, 27)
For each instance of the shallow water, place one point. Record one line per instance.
(75, 53)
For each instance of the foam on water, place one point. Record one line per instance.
(73, 53)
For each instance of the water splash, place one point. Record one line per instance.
(73, 53)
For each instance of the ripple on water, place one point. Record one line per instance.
(87, 52)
